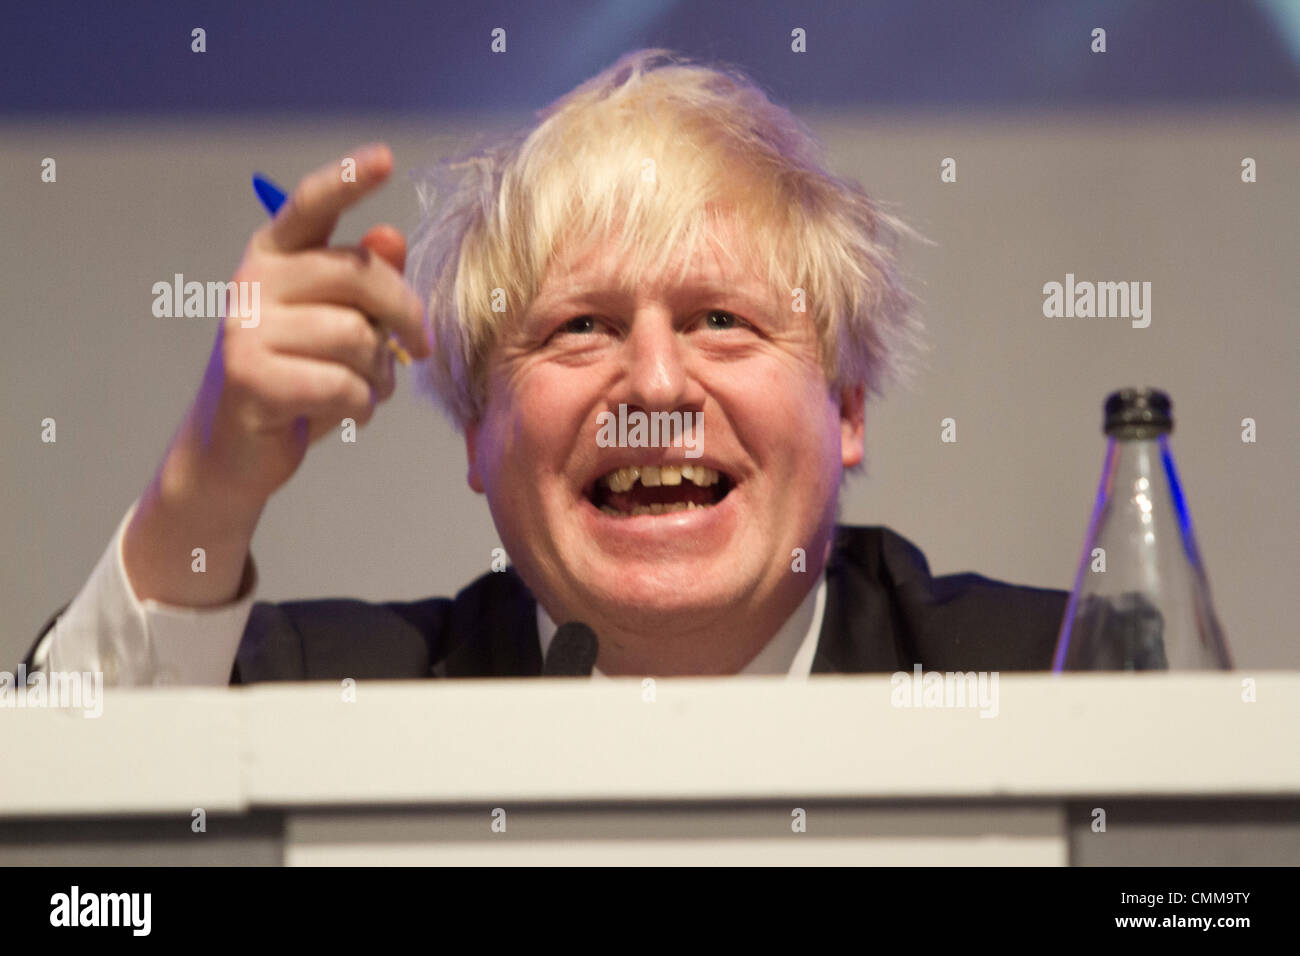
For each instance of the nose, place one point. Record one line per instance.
(657, 376)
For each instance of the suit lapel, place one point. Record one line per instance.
(860, 630)
(493, 623)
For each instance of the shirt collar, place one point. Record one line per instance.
(789, 652)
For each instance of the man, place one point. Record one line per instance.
(663, 248)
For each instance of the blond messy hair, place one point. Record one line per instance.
(497, 218)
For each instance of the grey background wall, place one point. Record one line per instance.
(1125, 167)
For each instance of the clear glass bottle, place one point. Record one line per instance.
(1141, 600)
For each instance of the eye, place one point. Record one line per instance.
(721, 321)
(579, 325)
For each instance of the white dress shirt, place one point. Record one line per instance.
(108, 629)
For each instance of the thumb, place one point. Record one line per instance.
(388, 243)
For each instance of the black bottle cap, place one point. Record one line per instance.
(1138, 413)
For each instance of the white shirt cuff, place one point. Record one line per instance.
(133, 642)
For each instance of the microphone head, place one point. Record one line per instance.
(572, 652)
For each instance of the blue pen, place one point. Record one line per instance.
(273, 197)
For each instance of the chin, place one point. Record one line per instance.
(660, 593)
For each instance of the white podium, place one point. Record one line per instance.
(1180, 769)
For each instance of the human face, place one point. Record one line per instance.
(693, 591)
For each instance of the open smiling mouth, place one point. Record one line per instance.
(658, 489)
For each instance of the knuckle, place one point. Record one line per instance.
(361, 336)
(356, 405)
(325, 387)
(364, 412)
(240, 376)
(339, 384)
(299, 200)
(343, 284)
(354, 261)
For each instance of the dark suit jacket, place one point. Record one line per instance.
(884, 613)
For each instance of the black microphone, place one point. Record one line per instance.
(572, 652)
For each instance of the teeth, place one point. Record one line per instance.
(623, 479)
(652, 476)
(660, 509)
(656, 509)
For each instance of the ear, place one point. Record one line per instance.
(473, 477)
(852, 428)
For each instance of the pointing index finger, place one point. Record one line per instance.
(309, 215)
